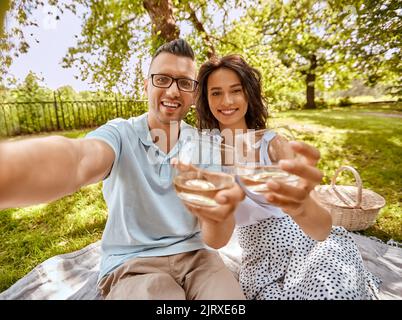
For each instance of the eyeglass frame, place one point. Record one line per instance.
(173, 80)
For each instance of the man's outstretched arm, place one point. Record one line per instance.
(44, 169)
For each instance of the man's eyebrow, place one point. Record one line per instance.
(232, 86)
(178, 76)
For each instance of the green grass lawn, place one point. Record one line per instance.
(345, 136)
(362, 138)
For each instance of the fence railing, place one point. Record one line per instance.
(18, 118)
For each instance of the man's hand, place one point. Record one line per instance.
(228, 200)
(217, 223)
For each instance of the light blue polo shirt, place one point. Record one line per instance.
(146, 218)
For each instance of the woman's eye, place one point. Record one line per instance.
(214, 94)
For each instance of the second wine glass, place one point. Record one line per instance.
(257, 158)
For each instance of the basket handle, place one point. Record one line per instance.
(358, 185)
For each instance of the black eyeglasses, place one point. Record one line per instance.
(164, 81)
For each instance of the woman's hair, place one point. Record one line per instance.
(257, 113)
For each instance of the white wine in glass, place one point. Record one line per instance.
(202, 171)
(200, 187)
(257, 156)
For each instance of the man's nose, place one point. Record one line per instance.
(173, 90)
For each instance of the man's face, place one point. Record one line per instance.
(169, 104)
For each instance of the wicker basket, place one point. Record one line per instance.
(351, 207)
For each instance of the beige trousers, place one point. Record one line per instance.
(200, 275)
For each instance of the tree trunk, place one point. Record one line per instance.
(4, 7)
(310, 84)
(164, 28)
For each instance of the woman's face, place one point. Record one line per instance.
(227, 99)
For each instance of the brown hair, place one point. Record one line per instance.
(178, 47)
(257, 113)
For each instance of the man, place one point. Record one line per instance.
(152, 247)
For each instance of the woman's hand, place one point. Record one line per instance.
(312, 218)
(295, 199)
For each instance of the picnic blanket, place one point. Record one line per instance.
(73, 276)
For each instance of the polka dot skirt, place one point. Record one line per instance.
(280, 262)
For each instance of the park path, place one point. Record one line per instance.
(381, 114)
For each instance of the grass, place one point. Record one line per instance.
(370, 143)
(29, 236)
(345, 136)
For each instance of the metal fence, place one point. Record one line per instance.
(17, 118)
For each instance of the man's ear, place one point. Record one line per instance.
(146, 87)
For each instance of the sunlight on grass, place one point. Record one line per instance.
(397, 141)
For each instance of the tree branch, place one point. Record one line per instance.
(200, 28)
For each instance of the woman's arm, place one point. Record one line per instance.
(314, 220)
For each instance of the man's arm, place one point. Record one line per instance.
(217, 234)
(44, 169)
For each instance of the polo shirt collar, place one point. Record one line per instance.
(142, 130)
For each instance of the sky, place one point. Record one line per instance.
(44, 59)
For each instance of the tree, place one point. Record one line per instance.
(67, 93)
(30, 90)
(280, 84)
(325, 43)
(305, 35)
(330, 42)
(376, 42)
(32, 93)
(4, 6)
(121, 33)
(116, 34)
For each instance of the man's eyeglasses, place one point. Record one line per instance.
(164, 81)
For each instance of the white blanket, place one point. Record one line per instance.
(73, 276)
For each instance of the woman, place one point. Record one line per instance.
(290, 250)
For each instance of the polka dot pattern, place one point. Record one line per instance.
(280, 262)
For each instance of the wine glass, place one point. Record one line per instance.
(204, 167)
(258, 153)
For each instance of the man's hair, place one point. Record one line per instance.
(257, 113)
(178, 47)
